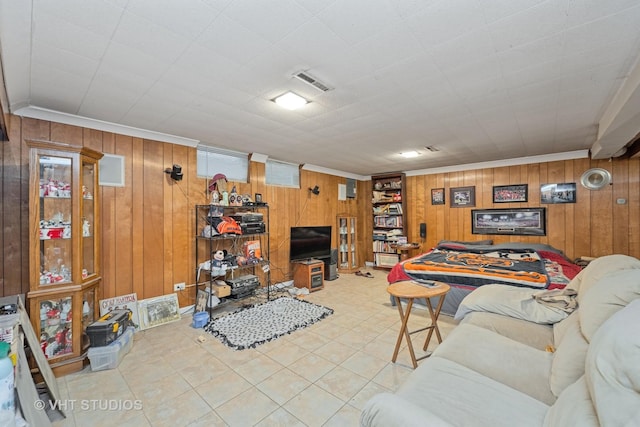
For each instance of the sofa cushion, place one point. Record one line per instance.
(599, 268)
(569, 358)
(533, 334)
(510, 301)
(612, 372)
(560, 328)
(462, 396)
(606, 297)
(389, 410)
(573, 408)
(504, 360)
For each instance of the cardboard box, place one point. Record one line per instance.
(222, 291)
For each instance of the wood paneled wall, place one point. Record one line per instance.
(148, 225)
(595, 225)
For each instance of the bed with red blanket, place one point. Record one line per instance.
(466, 267)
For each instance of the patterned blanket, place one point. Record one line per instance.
(477, 267)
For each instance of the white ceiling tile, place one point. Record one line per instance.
(464, 50)
(206, 63)
(540, 21)
(232, 40)
(68, 36)
(388, 47)
(500, 9)
(186, 18)
(544, 50)
(582, 11)
(134, 61)
(284, 16)
(339, 17)
(604, 31)
(153, 39)
(100, 17)
(446, 20)
(53, 57)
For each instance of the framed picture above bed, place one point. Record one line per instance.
(558, 193)
(510, 193)
(462, 197)
(516, 221)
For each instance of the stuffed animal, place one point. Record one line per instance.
(218, 266)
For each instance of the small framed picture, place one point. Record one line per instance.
(258, 198)
(510, 193)
(437, 196)
(558, 193)
(462, 197)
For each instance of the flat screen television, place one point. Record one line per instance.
(310, 242)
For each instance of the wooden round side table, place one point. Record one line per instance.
(410, 290)
(404, 249)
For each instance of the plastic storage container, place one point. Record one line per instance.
(200, 319)
(7, 402)
(109, 356)
(109, 327)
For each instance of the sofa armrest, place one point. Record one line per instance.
(389, 410)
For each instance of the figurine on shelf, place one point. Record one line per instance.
(217, 186)
(86, 231)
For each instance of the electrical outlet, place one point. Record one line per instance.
(179, 287)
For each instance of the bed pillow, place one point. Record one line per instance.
(459, 244)
(509, 301)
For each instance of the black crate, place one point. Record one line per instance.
(109, 327)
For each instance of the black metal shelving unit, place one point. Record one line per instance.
(207, 245)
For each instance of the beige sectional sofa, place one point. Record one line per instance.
(499, 368)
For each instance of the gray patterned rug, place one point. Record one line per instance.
(254, 325)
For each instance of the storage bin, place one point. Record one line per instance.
(109, 356)
(200, 319)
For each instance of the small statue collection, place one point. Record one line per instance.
(221, 196)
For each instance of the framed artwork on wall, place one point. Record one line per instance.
(510, 193)
(517, 221)
(558, 193)
(462, 197)
(437, 196)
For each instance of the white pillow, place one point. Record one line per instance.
(509, 301)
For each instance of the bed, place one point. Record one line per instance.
(466, 266)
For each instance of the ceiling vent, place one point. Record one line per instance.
(309, 79)
(432, 149)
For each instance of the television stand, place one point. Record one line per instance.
(309, 274)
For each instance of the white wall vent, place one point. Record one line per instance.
(309, 79)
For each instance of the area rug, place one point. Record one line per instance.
(260, 323)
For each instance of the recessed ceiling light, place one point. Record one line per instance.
(290, 101)
(410, 154)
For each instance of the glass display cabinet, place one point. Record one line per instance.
(64, 251)
(347, 260)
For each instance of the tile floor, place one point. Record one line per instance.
(318, 376)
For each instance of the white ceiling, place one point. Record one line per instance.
(480, 80)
